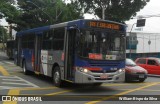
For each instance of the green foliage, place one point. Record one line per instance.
(116, 10)
(34, 13)
(3, 34)
(10, 12)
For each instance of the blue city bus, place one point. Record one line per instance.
(82, 51)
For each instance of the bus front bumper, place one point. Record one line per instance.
(81, 77)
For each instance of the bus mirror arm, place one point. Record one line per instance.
(75, 27)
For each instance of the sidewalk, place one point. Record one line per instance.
(2, 53)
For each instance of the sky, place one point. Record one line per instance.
(152, 23)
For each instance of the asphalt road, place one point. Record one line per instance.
(14, 83)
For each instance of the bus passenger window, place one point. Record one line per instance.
(58, 39)
(31, 38)
(47, 39)
(25, 41)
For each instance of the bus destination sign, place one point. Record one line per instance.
(98, 24)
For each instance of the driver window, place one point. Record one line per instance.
(117, 43)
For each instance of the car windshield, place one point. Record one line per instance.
(130, 62)
(102, 45)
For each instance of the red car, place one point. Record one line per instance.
(134, 72)
(151, 64)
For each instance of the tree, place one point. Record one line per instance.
(35, 13)
(10, 12)
(3, 35)
(116, 10)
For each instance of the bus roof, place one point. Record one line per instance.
(69, 23)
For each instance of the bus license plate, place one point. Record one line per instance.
(141, 76)
(103, 76)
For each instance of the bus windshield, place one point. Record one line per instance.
(102, 45)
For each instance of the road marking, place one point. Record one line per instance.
(60, 92)
(141, 90)
(125, 84)
(17, 92)
(15, 80)
(3, 71)
(7, 76)
(29, 83)
(15, 83)
(12, 92)
(11, 80)
(122, 93)
(6, 62)
(8, 87)
(44, 88)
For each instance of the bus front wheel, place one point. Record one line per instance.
(57, 77)
(97, 84)
(25, 71)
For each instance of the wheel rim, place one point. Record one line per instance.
(56, 77)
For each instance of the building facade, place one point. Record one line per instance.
(141, 44)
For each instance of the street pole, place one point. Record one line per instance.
(130, 39)
(103, 13)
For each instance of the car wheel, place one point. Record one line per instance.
(57, 77)
(141, 80)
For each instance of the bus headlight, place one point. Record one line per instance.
(85, 70)
(81, 69)
(121, 70)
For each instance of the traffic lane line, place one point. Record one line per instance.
(66, 91)
(149, 90)
(120, 94)
(3, 71)
(59, 92)
(17, 92)
(123, 84)
(12, 92)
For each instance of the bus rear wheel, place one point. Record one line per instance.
(57, 77)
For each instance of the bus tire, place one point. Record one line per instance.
(56, 76)
(25, 71)
(97, 84)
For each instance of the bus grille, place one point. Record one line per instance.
(103, 64)
(103, 79)
(107, 71)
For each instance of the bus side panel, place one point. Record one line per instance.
(44, 63)
(49, 59)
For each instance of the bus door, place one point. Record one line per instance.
(69, 53)
(37, 52)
